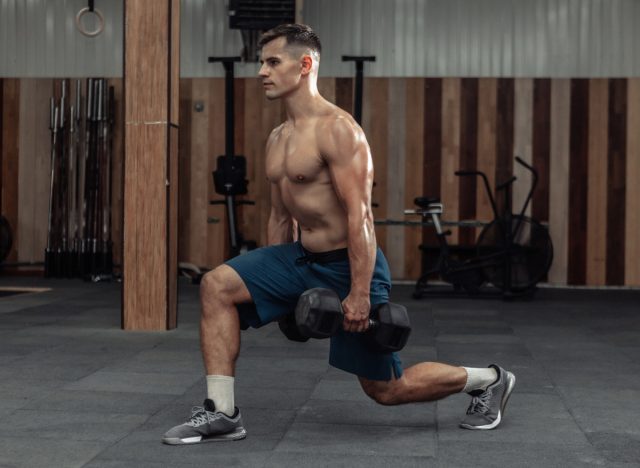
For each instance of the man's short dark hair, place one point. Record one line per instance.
(295, 34)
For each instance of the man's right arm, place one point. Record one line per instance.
(280, 227)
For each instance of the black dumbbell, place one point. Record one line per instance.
(319, 314)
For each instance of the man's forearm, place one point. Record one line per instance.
(279, 230)
(362, 254)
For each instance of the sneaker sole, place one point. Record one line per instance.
(511, 382)
(239, 434)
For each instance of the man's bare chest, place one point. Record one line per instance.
(295, 157)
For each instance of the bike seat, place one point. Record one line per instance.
(424, 202)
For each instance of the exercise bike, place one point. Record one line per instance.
(513, 252)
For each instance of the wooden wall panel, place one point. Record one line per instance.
(596, 255)
(396, 164)
(216, 234)
(504, 134)
(578, 178)
(414, 126)
(432, 165)
(327, 88)
(10, 157)
(344, 94)
(632, 215)
(468, 155)
(559, 178)
(414, 120)
(254, 151)
(616, 181)
(541, 146)
(375, 126)
(487, 141)
(199, 177)
(522, 140)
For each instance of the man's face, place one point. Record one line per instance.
(280, 70)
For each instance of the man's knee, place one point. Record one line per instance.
(382, 393)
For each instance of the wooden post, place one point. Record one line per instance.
(151, 81)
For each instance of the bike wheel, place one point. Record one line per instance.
(529, 258)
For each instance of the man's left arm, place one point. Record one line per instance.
(348, 158)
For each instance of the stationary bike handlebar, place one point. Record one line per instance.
(486, 186)
(505, 184)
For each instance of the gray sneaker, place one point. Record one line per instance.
(487, 407)
(206, 425)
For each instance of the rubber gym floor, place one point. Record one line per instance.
(76, 391)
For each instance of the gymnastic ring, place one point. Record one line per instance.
(80, 27)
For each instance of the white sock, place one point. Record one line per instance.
(220, 390)
(479, 379)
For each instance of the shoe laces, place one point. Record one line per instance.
(200, 416)
(480, 403)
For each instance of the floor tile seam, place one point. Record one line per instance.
(567, 407)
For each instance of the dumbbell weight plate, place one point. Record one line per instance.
(319, 313)
(392, 328)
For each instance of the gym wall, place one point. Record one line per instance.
(469, 112)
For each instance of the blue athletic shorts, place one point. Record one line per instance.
(275, 280)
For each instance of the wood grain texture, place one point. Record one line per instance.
(414, 155)
(396, 164)
(200, 177)
(147, 59)
(432, 166)
(578, 178)
(616, 181)
(468, 155)
(449, 183)
(541, 146)
(374, 123)
(632, 215)
(254, 151)
(145, 228)
(504, 134)
(327, 88)
(487, 141)
(216, 240)
(597, 182)
(10, 160)
(559, 178)
(522, 140)
(344, 94)
(174, 62)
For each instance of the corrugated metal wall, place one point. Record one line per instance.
(493, 38)
(522, 38)
(38, 38)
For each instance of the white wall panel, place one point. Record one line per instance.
(39, 39)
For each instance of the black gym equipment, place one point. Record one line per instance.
(513, 253)
(359, 60)
(319, 314)
(229, 178)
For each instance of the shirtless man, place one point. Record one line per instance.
(321, 172)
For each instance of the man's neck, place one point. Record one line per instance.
(302, 104)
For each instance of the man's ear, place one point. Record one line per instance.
(307, 64)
